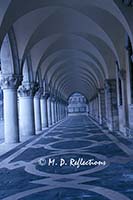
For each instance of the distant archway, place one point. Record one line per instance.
(77, 105)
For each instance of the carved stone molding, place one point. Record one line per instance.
(39, 93)
(45, 95)
(27, 90)
(9, 81)
(100, 90)
(52, 98)
(110, 84)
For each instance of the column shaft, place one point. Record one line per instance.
(111, 105)
(49, 112)
(54, 105)
(56, 111)
(102, 111)
(37, 113)
(11, 129)
(44, 112)
(26, 112)
(9, 86)
(52, 112)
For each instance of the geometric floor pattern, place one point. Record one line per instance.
(74, 160)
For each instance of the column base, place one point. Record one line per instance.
(12, 142)
(28, 134)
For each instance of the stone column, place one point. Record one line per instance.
(58, 112)
(37, 110)
(55, 117)
(64, 110)
(9, 85)
(49, 111)
(129, 105)
(122, 75)
(67, 109)
(26, 110)
(92, 108)
(52, 110)
(44, 112)
(111, 105)
(96, 109)
(123, 112)
(102, 110)
(61, 110)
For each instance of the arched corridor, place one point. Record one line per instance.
(66, 86)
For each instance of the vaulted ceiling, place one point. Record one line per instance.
(74, 43)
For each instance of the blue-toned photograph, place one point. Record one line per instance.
(66, 100)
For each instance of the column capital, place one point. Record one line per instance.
(100, 90)
(53, 98)
(10, 81)
(46, 95)
(38, 93)
(109, 83)
(27, 90)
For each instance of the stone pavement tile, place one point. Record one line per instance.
(62, 164)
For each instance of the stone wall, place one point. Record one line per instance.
(77, 105)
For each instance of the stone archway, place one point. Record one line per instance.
(77, 105)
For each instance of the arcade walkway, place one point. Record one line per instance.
(33, 170)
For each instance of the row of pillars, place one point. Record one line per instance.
(27, 111)
(103, 107)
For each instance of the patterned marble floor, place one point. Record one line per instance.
(75, 160)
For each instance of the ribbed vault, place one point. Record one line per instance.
(72, 44)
